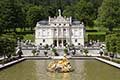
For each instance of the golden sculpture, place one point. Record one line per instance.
(62, 65)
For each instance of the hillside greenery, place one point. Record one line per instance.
(25, 14)
(21, 16)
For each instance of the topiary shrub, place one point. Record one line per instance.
(86, 51)
(96, 37)
(33, 51)
(66, 51)
(55, 52)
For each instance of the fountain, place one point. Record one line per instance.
(61, 66)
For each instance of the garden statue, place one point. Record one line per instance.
(61, 66)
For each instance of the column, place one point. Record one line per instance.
(52, 36)
(57, 37)
(70, 35)
(62, 35)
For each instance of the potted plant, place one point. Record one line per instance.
(81, 51)
(101, 53)
(66, 51)
(46, 49)
(105, 52)
(33, 51)
(55, 52)
(37, 52)
(20, 53)
(111, 55)
(86, 51)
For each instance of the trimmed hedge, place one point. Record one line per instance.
(100, 37)
(26, 32)
(91, 31)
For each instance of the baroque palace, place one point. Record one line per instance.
(59, 31)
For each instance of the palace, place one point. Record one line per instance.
(59, 31)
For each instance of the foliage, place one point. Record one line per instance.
(96, 37)
(86, 51)
(101, 51)
(34, 14)
(29, 37)
(24, 14)
(65, 50)
(12, 15)
(113, 43)
(20, 37)
(46, 46)
(46, 51)
(83, 10)
(54, 50)
(7, 45)
(109, 14)
(20, 53)
(34, 51)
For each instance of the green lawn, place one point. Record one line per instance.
(19, 30)
(29, 37)
(26, 34)
(96, 33)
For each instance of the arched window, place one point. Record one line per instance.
(43, 40)
(64, 30)
(43, 33)
(55, 29)
(75, 40)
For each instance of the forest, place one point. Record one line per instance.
(25, 13)
(22, 15)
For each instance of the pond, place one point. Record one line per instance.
(84, 70)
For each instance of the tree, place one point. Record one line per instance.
(113, 43)
(96, 5)
(2, 28)
(109, 14)
(12, 15)
(69, 11)
(118, 45)
(7, 46)
(34, 14)
(83, 10)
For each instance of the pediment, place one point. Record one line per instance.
(60, 19)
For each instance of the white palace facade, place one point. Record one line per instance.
(59, 31)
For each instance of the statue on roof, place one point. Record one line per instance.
(59, 11)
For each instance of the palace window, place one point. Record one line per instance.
(76, 33)
(43, 40)
(48, 33)
(75, 40)
(55, 29)
(64, 29)
(43, 33)
(39, 34)
(40, 43)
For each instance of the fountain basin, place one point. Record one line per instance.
(88, 69)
